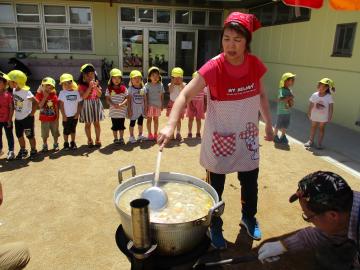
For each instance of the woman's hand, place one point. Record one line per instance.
(269, 133)
(164, 136)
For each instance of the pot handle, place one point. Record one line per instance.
(120, 172)
(217, 210)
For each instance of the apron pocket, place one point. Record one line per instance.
(223, 145)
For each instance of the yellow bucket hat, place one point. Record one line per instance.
(195, 74)
(328, 82)
(66, 77)
(152, 69)
(90, 66)
(20, 78)
(177, 72)
(284, 77)
(49, 81)
(135, 73)
(115, 72)
(4, 76)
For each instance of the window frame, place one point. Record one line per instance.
(337, 52)
(162, 9)
(41, 36)
(14, 12)
(17, 45)
(67, 15)
(192, 16)
(44, 26)
(29, 23)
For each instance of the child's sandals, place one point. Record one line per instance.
(98, 144)
(90, 144)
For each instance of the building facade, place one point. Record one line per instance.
(52, 37)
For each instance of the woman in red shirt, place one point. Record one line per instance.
(231, 136)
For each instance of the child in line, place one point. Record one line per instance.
(25, 105)
(196, 109)
(49, 112)
(175, 86)
(92, 111)
(6, 113)
(285, 102)
(116, 96)
(321, 110)
(155, 97)
(70, 107)
(137, 105)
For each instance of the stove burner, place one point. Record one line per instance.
(160, 262)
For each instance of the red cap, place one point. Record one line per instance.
(249, 21)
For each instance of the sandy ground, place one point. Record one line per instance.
(61, 204)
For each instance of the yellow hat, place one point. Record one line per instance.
(66, 77)
(328, 82)
(49, 81)
(115, 72)
(135, 73)
(20, 78)
(4, 76)
(152, 69)
(284, 77)
(195, 74)
(83, 67)
(177, 72)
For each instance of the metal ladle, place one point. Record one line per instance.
(156, 195)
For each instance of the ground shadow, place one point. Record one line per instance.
(147, 144)
(83, 150)
(192, 141)
(10, 165)
(173, 143)
(281, 146)
(111, 148)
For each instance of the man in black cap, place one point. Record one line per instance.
(328, 203)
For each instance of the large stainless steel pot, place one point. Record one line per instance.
(174, 238)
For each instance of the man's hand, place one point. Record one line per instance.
(270, 251)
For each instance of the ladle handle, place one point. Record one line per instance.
(157, 169)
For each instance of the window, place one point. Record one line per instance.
(198, 17)
(27, 13)
(55, 14)
(57, 39)
(29, 39)
(80, 40)
(275, 13)
(182, 17)
(8, 39)
(163, 16)
(344, 39)
(145, 15)
(6, 13)
(80, 15)
(45, 28)
(215, 18)
(127, 14)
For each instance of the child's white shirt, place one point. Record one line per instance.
(22, 103)
(70, 99)
(320, 110)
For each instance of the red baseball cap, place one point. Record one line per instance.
(249, 21)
